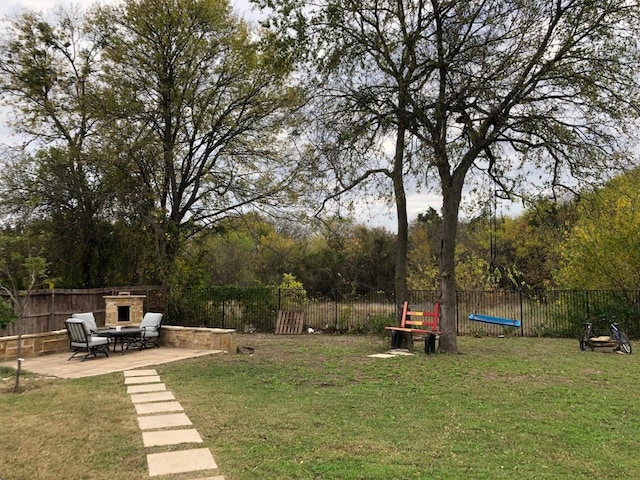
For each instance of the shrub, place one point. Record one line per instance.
(7, 315)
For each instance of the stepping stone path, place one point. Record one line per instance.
(163, 423)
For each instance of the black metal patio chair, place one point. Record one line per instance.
(150, 327)
(82, 340)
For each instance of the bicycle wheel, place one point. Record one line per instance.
(625, 344)
(584, 340)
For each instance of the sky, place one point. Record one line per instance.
(371, 211)
(10, 7)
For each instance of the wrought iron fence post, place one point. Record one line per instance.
(587, 304)
(223, 312)
(457, 314)
(279, 298)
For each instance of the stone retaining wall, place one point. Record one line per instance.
(37, 344)
(199, 338)
(34, 344)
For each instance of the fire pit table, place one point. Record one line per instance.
(128, 336)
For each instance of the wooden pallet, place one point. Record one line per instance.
(289, 323)
(602, 344)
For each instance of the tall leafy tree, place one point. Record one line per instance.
(198, 111)
(517, 88)
(48, 80)
(549, 84)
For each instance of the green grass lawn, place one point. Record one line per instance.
(316, 407)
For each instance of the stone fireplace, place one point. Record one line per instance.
(124, 309)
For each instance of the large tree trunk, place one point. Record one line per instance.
(167, 245)
(451, 197)
(400, 275)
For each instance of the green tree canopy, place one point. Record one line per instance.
(602, 250)
(48, 78)
(7, 315)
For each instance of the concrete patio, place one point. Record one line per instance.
(58, 365)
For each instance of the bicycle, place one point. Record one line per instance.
(624, 345)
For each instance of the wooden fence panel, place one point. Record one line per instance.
(47, 310)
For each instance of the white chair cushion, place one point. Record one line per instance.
(95, 341)
(89, 321)
(151, 321)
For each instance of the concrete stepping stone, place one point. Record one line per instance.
(170, 437)
(139, 373)
(180, 462)
(152, 397)
(151, 387)
(138, 380)
(158, 407)
(163, 421)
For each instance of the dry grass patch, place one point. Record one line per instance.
(56, 429)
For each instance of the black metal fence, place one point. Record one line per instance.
(552, 313)
(249, 309)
